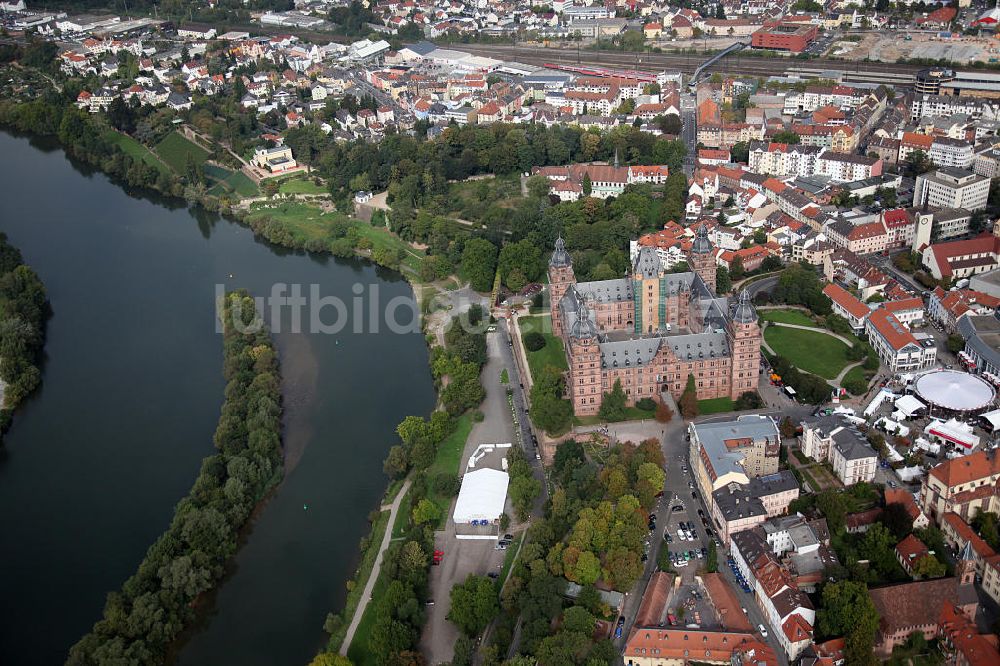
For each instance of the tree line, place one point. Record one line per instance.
(141, 622)
(24, 311)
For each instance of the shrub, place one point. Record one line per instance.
(646, 404)
(534, 341)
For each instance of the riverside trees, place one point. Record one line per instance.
(159, 600)
(24, 310)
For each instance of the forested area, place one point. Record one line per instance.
(593, 530)
(24, 311)
(143, 619)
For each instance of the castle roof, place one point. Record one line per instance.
(560, 257)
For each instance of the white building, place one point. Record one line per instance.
(950, 187)
(830, 439)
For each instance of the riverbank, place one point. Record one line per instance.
(141, 621)
(24, 311)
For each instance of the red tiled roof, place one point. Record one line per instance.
(911, 549)
(889, 327)
(797, 629)
(973, 467)
(846, 300)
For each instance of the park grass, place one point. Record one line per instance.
(552, 353)
(302, 221)
(631, 414)
(448, 461)
(230, 181)
(300, 185)
(174, 149)
(402, 516)
(508, 560)
(788, 317)
(380, 237)
(817, 352)
(360, 579)
(358, 652)
(136, 150)
(715, 405)
(858, 372)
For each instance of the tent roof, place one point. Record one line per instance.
(909, 405)
(482, 495)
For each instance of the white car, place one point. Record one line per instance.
(763, 630)
(680, 534)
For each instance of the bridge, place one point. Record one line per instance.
(738, 46)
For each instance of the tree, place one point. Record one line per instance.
(929, 566)
(917, 163)
(549, 410)
(473, 604)
(896, 519)
(588, 186)
(522, 259)
(613, 404)
(736, 270)
(787, 428)
(330, 659)
(538, 187)
(479, 261)
(748, 400)
(985, 525)
(534, 341)
(579, 619)
(720, 11)
(723, 283)
(740, 152)
(396, 463)
(426, 511)
(688, 403)
(956, 343)
(663, 413)
(848, 611)
(786, 136)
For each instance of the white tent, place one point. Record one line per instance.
(482, 496)
(953, 432)
(908, 474)
(892, 427)
(880, 397)
(992, 419)
(909, 405)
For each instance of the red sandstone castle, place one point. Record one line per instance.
(652, 329)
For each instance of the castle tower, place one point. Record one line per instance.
(647, 291)
(701, 258)
(561, 278)
(584, 385)
(744, 342)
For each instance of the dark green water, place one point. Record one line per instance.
(131, 391)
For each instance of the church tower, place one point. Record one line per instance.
(701, 258)
(584, 384)
(744, 342)
(561, 278)
(965, 568)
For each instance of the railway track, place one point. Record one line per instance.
(687, 63)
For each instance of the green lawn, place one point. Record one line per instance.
(402, 517)
(138, 151)
(448, 461)
(225, 180)
(859, 372)
(817, 353)
(631, 414)
(715, 405)
(551, 354)
(381, 237)
(174, 149)
(360, 578)
(302, 221)
(300, 185)
(508, 560)
(787, 317)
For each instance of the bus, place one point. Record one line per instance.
(789, 391)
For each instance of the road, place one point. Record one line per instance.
(366, 595)
(737, 64)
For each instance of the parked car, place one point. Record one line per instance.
(763, 630)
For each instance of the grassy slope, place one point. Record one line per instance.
(138, 151)
(300, 185)
(715, 405)
(817, 353)
(787, 317)
(174, 150)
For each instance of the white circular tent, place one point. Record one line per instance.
(955, 391)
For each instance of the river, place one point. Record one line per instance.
(132, 386)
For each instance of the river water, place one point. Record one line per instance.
(132, 386)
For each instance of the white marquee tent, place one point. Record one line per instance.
(482, 496)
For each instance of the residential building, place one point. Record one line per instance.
(846, 305)
(830, 439)
(948, 152)
(733, 452)
(962, 258)
(737, 507)
(896, 346)
(950, 187)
